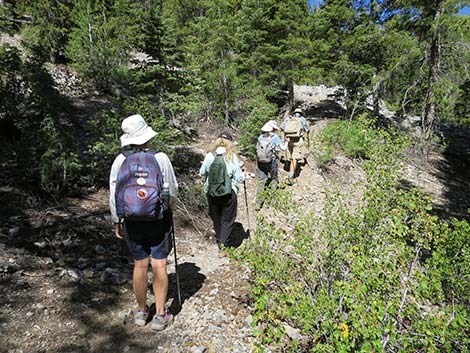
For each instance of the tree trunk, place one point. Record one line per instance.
(90, 35)
(428, 118)
(290, 98)
(90, 40)
(226, 102)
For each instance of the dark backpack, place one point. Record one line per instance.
(139, 187)
(219, 182)
(264, 150)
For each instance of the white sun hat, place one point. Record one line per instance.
(274, 125)
(269, 126)
(136, 131)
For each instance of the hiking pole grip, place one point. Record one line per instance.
(176, 266)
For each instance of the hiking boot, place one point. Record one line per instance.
(141, 316)
(160, 322)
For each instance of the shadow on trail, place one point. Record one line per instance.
(191, 281)
(186, 161)
(452, 169)
(454, 172)
(110, 336)
(239, 234)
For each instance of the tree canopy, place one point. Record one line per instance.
(222, 60)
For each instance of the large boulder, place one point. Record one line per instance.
(331, 102)
(400, 121)
(321, 101)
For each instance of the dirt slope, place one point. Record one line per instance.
(66, 282)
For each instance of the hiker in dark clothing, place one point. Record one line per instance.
(223, 208)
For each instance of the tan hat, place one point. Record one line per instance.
(136, 131)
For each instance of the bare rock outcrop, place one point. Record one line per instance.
(321, 101)
(332, 102)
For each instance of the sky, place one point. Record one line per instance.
(465, 11)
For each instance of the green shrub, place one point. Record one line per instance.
(40, 145)
(355, 138)
(387, 276)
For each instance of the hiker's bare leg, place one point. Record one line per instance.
(140, 282)
(160, 284)
(293, 167)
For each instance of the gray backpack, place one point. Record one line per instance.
(264, 150)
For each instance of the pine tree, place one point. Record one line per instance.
(102, 38)
(48, 32)
(437, 28)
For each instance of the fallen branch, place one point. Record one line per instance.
(182, 207)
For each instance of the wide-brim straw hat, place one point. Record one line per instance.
(136, 131)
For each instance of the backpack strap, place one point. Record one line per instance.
(127, 153)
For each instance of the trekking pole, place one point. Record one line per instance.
(246, 203)
(176, 267)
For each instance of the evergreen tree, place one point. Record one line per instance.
(30, 109)
(102, 38)
(49, 29)
(211, 50)
(434, 25)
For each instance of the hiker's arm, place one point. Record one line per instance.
(305, 124)
(112, 186)
(118, 231)
(205, 164)
(282, 127)
(168, 177)
(278, 143)
(238, 175)
(283, 146)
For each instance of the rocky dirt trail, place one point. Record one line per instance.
(66, 282)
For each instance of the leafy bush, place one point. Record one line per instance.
(387, 276)
(355, 138)
(39, 144)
